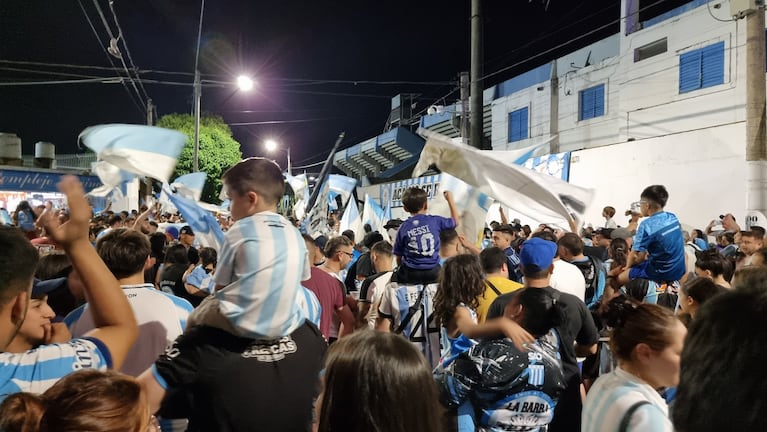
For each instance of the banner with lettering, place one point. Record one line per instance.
(19, 180)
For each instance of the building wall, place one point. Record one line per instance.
(703, 170)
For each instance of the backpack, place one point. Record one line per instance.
(590, 270)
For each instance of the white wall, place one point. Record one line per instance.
(538, 103)
(703, 170)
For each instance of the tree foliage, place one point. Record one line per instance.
(218, 149)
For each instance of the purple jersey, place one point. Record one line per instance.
(418, 240)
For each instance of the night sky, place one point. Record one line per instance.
(289, 47)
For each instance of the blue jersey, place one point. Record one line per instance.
(507, 389)
(418, 240)
(512, 262)
(660, 235)
(36, 370)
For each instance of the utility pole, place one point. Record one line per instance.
(197, 94)
(477, 104)
(756, 144)
(464, 83)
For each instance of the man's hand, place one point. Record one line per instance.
(729, 223)
(76, 228)
(448, 195)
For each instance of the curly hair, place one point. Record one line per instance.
(460, 281)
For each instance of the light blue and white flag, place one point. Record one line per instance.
(206, 228)
(341, 185)
(373, 214)
(190, 185)
(472, 205)
(316, 221)
(351, 220)
(300, 188)
(147, 151)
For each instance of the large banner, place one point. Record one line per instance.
(31, 181)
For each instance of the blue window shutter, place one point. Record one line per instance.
(701, 68)
(592, 102)
(689, 71)
(712, 65)
(518, 125)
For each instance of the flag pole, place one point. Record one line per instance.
(323, 174)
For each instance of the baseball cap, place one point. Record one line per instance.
(537, 254)
(172, 232)
(321, 241)
(604, 232)
(186, 229)
(393, 223)
(43, 287)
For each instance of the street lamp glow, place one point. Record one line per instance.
(271, 145)
(245, 83)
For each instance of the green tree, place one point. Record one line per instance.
(218, 150)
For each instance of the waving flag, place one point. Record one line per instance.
(471, 204)
(204, 224)
(539, 197)
(300, 188)
(190, 185)
(373, 214)
(142, 150)
(351, 219)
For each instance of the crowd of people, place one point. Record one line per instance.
(120, 322)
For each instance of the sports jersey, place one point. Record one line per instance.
(161, 318)
(660, 235)
(371, 292)
(577, 326)
(170, 279)
(421, 329)
(201, 279)
(507, 388)
(594, 276)
(36, 370)
(310, 305)
(418, 240)
(613, 394)
(261, 265)
(226, 383)
(512, 262)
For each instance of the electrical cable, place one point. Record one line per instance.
(122, 37)
(109, 57)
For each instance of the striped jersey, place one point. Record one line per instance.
(310, 305)
(36, 370)
(613, 394)
(161, 318)
(260, 268)
(421, 329)
(201, 279)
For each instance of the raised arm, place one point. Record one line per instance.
(453, 211)
(112, 314)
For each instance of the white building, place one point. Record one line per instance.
(662, 102)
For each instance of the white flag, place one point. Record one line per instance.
(536, 196)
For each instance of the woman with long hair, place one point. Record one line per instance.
(84, 401)
(377, 382)
(461, 283)
(500, 387)
(647, 341)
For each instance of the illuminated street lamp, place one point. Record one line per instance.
(244, 83)
(272, 146)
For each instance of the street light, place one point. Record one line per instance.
(271, 146)
(244, 83)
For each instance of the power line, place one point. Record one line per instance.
(547, 51)
(125, 44)
(74, 81)
(103, 48)
(117, 52)
(265, 122)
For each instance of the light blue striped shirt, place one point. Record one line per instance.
(262, 263)
(613, 394)
(36, 370)
(311, 306)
